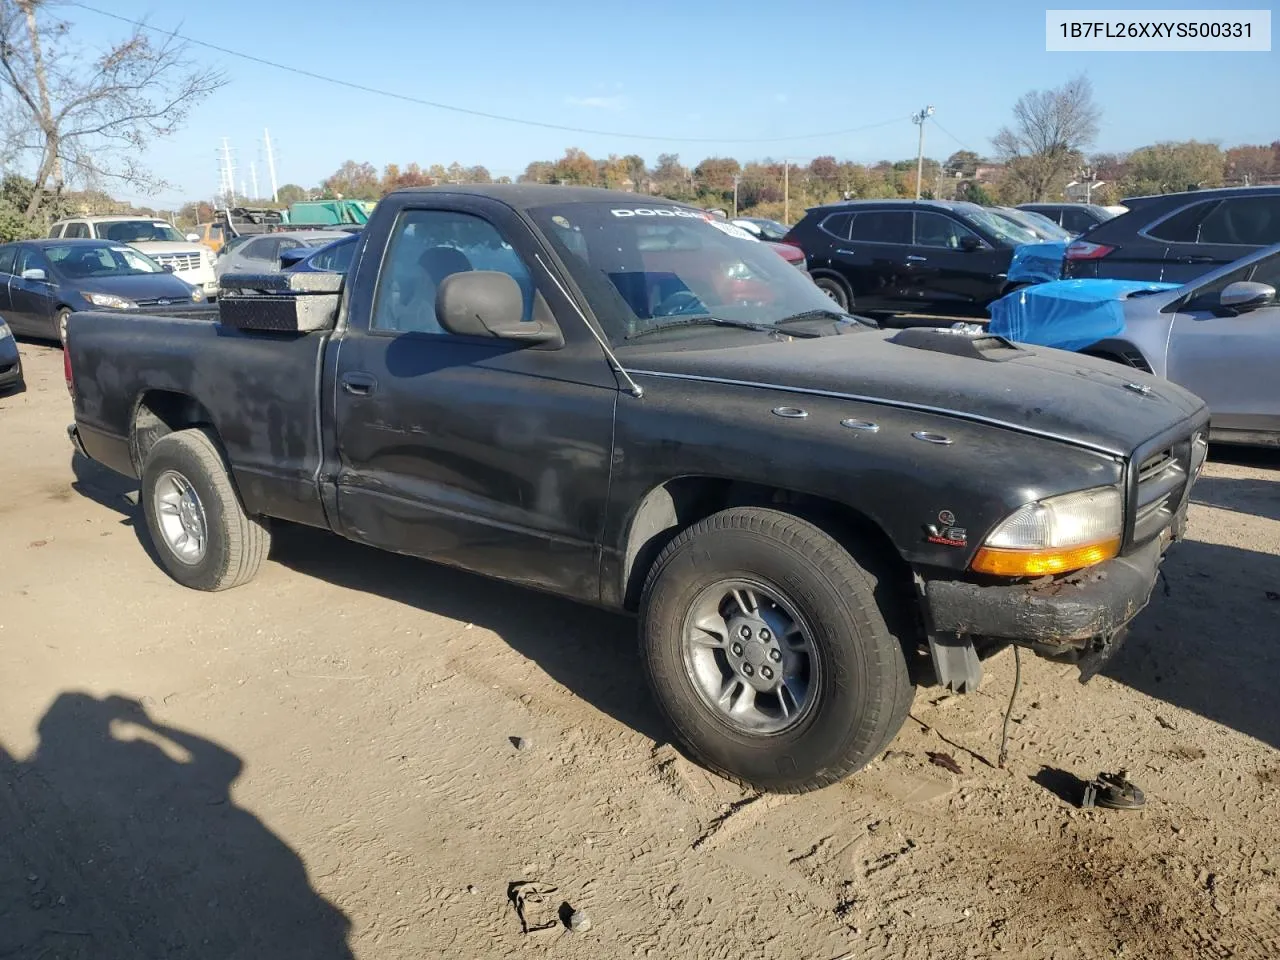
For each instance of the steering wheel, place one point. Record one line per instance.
(678, 303)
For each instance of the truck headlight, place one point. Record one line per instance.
(109, 300)
(1055, 535)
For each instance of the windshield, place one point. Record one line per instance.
(1004, 230)
(1041, 226)
(658, 265)
(135, 231)
(81, 260)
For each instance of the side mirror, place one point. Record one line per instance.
(193, 237)
(1241, 296)
(487, 303)
(970, 243)
(33, 273)
(167, 267)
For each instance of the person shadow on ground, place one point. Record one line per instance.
(119, 840)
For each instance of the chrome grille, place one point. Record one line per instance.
(179, 261)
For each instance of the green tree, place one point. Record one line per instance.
(353, 181)
(963, 164)
(291, 193)
(1171, 167)
(538, 171)
(637, 172)
(1050, 130)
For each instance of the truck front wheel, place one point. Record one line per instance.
(202, 535)
(768, 653)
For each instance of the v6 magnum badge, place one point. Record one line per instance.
(945, 531)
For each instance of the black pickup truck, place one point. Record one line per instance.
(634, 404)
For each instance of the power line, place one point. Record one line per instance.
(952, 136)
(406, 98)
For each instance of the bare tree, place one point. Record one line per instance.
(94, 113)
(1051, 129)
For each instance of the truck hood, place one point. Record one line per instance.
(1037, 390)
(166, 246)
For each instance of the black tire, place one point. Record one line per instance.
(836, 290)
(864, 691)
(58, 319)
(236, 543)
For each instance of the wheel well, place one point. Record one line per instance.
(678, 504)
(821, 273)
(161, 412)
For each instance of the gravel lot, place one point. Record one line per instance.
(320, 765)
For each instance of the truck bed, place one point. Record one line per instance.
(258, 390)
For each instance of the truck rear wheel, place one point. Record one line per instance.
(202, 535)
(768, 653)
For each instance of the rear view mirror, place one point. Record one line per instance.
(33, 273)
(487, 303)
(970, 243)
(167, 267)
(193, 237)
(1241, 296)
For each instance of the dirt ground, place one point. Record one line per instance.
(320, 765)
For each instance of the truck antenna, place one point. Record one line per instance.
(634, 388)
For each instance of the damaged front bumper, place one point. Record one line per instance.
(1079, 618)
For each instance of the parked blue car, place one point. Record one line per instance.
(10, 361)
(333, 257)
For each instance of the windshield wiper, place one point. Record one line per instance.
(702, 321)
(821, 314)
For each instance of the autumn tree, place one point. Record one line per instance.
(1050, 130)
(353, 181)
(1251, 163)
(575, 167)
(89, 114)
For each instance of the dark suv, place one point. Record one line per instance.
(1176, 237)
(904, 255)
(1075, 218)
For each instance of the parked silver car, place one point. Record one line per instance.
(262, 253)
(1218, 336)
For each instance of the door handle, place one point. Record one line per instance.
(848, 253)
(915, 259)
(359, 384)
(1195, 259)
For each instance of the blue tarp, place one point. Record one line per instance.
(1037, 262)
(1068, 314)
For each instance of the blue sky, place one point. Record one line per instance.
(722, 72)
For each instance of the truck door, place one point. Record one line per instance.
(480, 453)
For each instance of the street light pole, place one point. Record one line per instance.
(919, 119)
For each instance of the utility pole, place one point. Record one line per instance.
(786, 191)
(919, 119)
(736, 180)
(228, 175)
(271, 164)
(253, 172)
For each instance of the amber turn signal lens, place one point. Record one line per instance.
(1036, 563)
